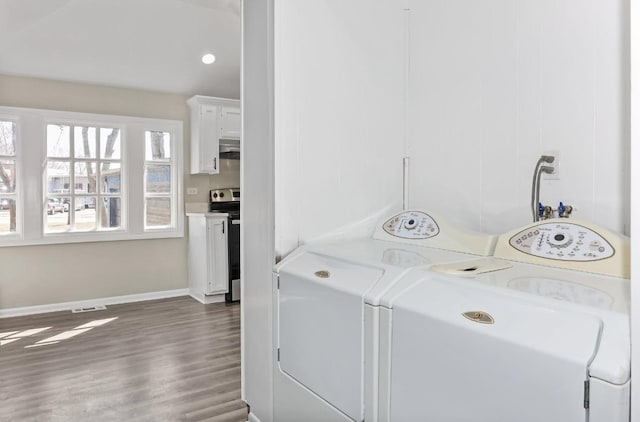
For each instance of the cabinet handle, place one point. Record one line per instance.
(223, 227)
(215, 163)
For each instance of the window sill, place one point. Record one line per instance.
(66, 238)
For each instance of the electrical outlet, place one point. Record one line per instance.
(192, 191)
(556, 165)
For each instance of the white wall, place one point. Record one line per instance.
(495, 84)
(339, 116)
(635, 208)
(37, 275)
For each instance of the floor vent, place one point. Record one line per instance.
(89, 309)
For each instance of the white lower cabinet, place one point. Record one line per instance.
(208, 259)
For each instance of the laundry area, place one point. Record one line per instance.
(451, 194)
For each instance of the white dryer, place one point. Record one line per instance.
(545, 339)
(326, 365)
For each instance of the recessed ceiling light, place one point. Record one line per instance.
(208, 58)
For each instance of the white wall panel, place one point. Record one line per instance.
(566, 98)
(339, 116)
(635, 205)
(493, 85)
(612, 125)
(257, 211)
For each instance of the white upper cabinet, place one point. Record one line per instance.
(229, 123)
(212, 119)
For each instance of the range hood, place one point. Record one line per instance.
(230, 149)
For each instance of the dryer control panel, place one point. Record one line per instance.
(421, 228)
(412, 225)
(568, 244)
(562, 241)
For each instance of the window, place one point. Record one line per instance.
(8, 201)
(90, 159)
(158, 180)
(90, 177)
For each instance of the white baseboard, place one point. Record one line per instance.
(67, 306)
(206, 299)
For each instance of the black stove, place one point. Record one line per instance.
(228, 201)
(224, 200)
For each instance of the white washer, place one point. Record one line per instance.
(326, 337)
(545, 340)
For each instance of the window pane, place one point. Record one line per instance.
(79, 203)
(57, 218)
(7, 215)
(85, 177)
(7, 138)
(85, 213)
(157, 145)
(111, 178)
(7, 176)
(84, 141)
(158, 212)
(58, 176)
(110, 143)
(158, 178)
(110, 210)
(58, 141)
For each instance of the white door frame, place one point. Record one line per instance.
(635, 208)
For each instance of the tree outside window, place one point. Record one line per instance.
(89, 159)
(8, 199)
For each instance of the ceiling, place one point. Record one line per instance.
(145, 44)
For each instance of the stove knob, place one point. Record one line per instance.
(221, 194)
(215, 195)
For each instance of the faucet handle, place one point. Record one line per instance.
(564, 211)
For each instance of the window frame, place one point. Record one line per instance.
(72, 194)
(7, 116)
(174, 182)
(31, 187)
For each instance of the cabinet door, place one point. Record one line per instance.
(208, 140)
(218, 265)
(230, 123)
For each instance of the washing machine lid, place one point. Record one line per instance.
(461, 354)
(595, 291)
(396, 259)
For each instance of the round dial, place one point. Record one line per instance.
(564, 241)
(411, 224)
(559, 239)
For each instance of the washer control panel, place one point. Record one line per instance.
(412, 225)
(562, 241)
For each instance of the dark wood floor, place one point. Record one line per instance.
(164, 360)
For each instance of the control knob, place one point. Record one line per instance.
(410, 224)
(559, 240)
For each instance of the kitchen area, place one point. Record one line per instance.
(214, 224)
(138, 124)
